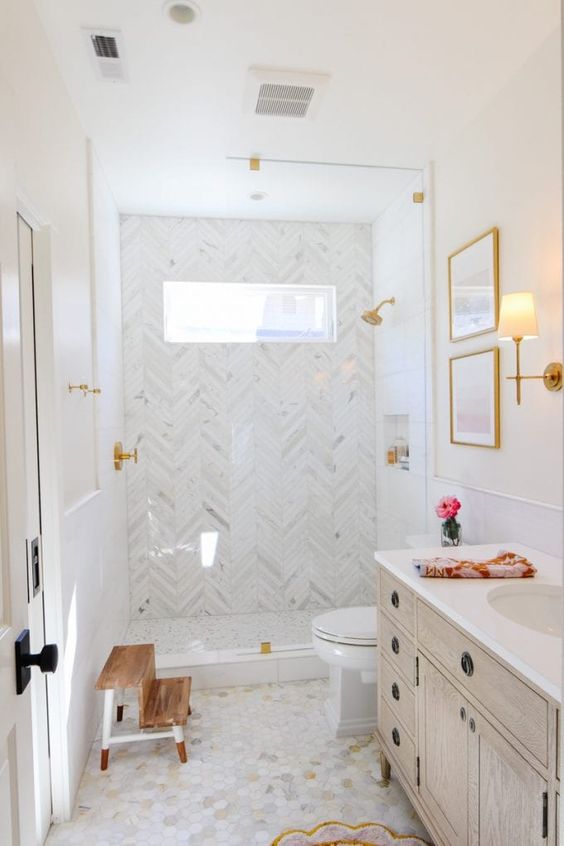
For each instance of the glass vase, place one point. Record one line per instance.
(451, 533)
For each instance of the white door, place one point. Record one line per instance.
(36, 611)
(24, 805)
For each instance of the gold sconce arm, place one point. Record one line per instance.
(120, 456)
(552, 376)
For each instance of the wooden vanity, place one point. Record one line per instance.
(469, 732)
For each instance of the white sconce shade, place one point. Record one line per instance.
(517, 317)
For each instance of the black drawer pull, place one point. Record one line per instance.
(463, 714)
(394, 599)
(395, 692)
(395, 645)
(472, 725)
(396, 737)
(467, 664)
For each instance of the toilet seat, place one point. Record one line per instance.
(352, 626)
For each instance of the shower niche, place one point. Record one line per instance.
(396, 441)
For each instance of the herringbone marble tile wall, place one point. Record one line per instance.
(270, 445)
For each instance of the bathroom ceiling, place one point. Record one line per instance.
(405, 76)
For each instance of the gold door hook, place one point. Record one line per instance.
(83, 387)
(86, 389)
(120, 456)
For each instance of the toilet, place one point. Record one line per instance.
(346, 639)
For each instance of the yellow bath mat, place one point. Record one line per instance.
(341, 834)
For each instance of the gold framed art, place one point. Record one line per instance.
(474, 399)
(473, 286)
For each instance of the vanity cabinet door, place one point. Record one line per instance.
(507, 797)
(443, 753)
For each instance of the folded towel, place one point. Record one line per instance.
(506, 565)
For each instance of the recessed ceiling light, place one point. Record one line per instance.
(258, 195)
(181, 11)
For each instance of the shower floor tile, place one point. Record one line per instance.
(261, 760)
(229, 631)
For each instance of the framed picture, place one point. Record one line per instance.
(474, 399)
(473, 278)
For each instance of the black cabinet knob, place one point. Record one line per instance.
(472, 725)
(396, 737)
(394, 599)
(395, 692)
(395, 645)
(467, 664)
(463, 714)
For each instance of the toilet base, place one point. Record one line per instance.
(351, 708)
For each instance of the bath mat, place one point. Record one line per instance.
(340, 834)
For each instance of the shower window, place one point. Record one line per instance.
(232, 312)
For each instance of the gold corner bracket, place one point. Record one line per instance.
(120, 456)
(418, 197)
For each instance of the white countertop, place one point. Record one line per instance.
(535, 655)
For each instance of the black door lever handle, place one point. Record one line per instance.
(47, 660)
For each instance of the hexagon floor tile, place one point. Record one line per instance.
(261, 760)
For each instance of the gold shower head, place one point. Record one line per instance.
(373, 316)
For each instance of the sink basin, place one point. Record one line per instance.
(538, 607)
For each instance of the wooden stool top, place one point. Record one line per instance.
(127, 666)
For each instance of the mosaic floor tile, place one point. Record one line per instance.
(224, 631)
(261, 760)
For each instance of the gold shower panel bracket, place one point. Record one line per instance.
(120, 456)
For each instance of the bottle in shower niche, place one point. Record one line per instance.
(401, 448)
(391, 455)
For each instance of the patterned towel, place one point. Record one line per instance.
(506, 565)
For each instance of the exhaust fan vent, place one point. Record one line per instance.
(284, 93)
(284, 100)
(105, 46)
(106, 50)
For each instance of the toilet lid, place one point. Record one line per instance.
(357, 626)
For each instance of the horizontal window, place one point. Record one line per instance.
(233, 312)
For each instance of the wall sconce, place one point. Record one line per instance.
(518, 322)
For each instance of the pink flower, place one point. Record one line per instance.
(447, 507)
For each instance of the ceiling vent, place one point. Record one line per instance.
(284, 93)
(106, 50)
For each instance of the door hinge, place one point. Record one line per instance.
(418, 771)
(545, 815)
(417, 671)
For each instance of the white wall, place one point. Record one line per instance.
(399, 351)
(505, 170)
(84, 585)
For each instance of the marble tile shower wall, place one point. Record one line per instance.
(269, 445)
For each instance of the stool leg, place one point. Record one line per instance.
(178, 732)
(107, 728)
(119, 697)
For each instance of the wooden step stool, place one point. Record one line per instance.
(163, 703)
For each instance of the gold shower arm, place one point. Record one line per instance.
(391, 301)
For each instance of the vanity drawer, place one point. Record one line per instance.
(398, 741)
(398, 601)
(522, 711)
(398, 695)
(397, 648)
